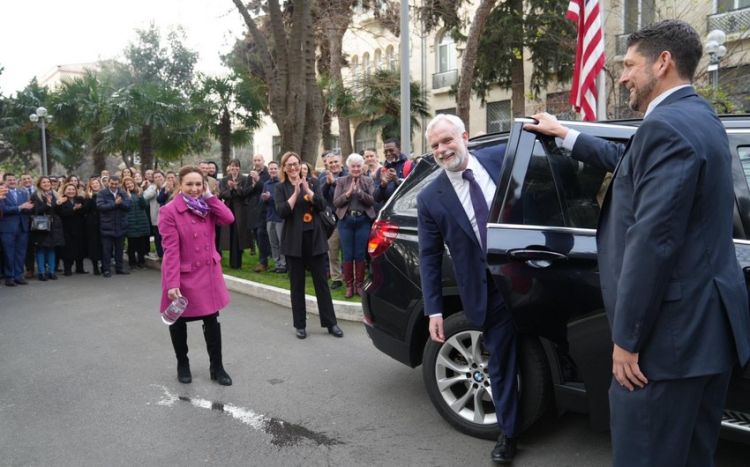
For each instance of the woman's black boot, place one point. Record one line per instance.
(178, 333)
(212, 333)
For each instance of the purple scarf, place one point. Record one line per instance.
(197, 206)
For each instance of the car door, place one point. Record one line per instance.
(542, 253)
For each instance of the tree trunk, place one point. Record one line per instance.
(518, 83)
(326, 135)
(147, 148)
(313, 111)
(469, 60)
(98, 157)
(225, 139)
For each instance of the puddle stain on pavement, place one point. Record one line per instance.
(283, 434)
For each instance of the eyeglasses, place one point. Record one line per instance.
(291, 164)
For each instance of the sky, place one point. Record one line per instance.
(36, 36)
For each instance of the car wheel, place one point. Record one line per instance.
(457, 380)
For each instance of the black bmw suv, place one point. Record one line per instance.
(542, 253)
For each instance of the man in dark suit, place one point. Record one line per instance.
(14, 230)
(113, 205)
(673, 291)
(453, 211)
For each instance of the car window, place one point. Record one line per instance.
(406, 198)
(537, 203)
(744, 153)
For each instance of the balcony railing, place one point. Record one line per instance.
(621, 44)
(736, 21)
(444, 79)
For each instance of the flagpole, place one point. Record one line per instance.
(601, 93)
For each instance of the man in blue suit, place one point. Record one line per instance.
(453, 211)
(14, 230)
(673, 291)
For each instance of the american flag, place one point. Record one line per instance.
(589, 55)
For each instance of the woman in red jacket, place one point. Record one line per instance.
(191, 267)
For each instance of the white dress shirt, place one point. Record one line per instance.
(463, 192)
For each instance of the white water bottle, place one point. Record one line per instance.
(174, 310)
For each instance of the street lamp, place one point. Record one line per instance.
(41, 118)
(716, 51)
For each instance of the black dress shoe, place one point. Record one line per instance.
(107, 274)
(335, 330)
(42, 277)
(82, 271)
(504, 451)
(300, 333)
(68, 273)
(183, 373)
(221, 376)
(122, 273)
(21, 281)
(336, 284)
(10, 283)
(52, 276)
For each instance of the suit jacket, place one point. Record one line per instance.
(442, 221)
(292, 231)
(14, 219)
(113, 217)
(365, 195)
(671, 283)
(190, 261)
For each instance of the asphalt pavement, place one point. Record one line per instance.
(88, 378)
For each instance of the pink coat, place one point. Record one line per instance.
(190, 261)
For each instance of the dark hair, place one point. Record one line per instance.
(234, 162)
(8, 174)
(157, 171)
(274, 163)
(674, 36)
(188, 169)
(394, 141)
(115, 178)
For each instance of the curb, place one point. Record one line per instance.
(344, 310)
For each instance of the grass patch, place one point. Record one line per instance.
(271, 278)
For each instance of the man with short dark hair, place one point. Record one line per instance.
(394, 170)
(113, 205)
(673, 290)
(14, 230)
(274, 223)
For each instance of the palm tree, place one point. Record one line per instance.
(225, 102)
(379, 102)
(81, 108)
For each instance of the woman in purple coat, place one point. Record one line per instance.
(191, 268)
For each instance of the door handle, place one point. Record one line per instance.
(538, 259)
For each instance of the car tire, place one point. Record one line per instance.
(464, 402)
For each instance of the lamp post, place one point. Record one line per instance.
(41, 118)
(716, 51)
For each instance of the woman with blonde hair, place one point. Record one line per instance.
(139, 229)
(93, 236)
(72, 213)
(191, 268)
(304, 243)
(45, 202)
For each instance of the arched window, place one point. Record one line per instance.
(366, 64)
(446, 54)
(355, 68)
(390, 58)
(378, 61)
(364, 137)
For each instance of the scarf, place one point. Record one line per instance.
(197, 206)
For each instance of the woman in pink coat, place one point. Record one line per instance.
(191, 267)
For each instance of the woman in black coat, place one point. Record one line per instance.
(93, 237)
(304, 243)
(72, 212)
(46, 204)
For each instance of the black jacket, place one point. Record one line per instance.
(291, 234)
(113, 218)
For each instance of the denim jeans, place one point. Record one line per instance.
(45, 255)
(354, 233)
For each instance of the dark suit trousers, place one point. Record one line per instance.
(500, 341)
(316, 264)
(14, 249)
(108, 245)
(667, 423)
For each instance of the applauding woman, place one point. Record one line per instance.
(72, 212)
(46, 204)
(304, 243)
(353, 199)
(139, 229)
(191, 268)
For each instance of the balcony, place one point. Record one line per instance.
(621, 44)
(444, 79)
(731, 22)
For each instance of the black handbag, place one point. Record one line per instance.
(41, 223)
(328, 220)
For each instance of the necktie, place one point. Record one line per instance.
(481, 212)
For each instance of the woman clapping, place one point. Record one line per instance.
(72, 212)
(45, 204)
(139, 229)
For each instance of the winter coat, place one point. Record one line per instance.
(113, 218)
(190, 261)
(138, 223)
(74, 227)
(55, 236)
(93, 235)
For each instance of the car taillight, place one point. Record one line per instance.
(382, 235)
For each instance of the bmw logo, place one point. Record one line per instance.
(478, 376)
